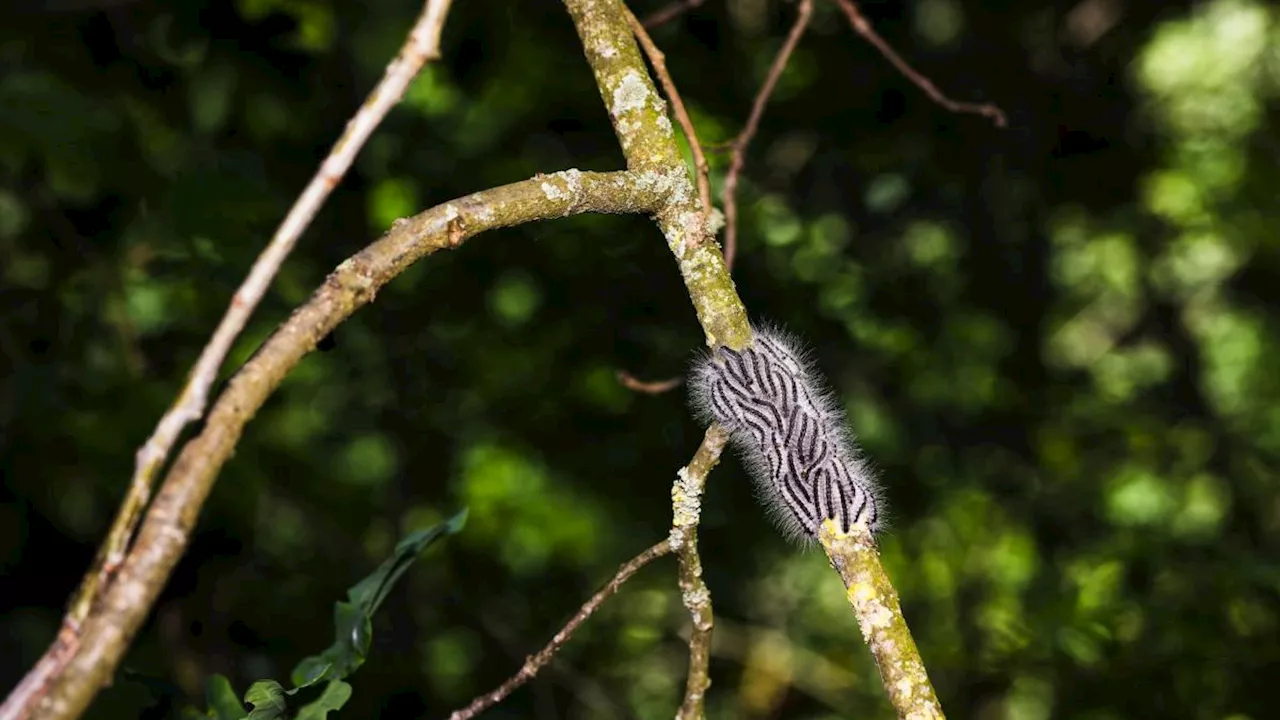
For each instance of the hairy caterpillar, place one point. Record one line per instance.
(790, 434)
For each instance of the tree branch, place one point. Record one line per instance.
(659, 61)
(639, 120)
(884, 629)
(648, 387)
(671, 12)
(648, 141)
(167, 525)
(686, 503)
(422, 44)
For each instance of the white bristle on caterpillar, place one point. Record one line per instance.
(792, 437)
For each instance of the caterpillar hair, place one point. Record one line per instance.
(790, 434)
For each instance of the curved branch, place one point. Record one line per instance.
(167, 525)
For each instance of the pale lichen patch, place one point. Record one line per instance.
(573, 181)
(686, 499)
(553, 192)
(676, 538)
(631, 94)
(697, 597)
(605, 50)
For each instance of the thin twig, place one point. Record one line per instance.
(671, 12)
(730, 192)
(863, 28)
(659, 61)
(534, 663)
(77, 670)
(686, 505)
(422, 44)
(884, 629)
(652, 387)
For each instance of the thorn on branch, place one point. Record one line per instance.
(652, 387)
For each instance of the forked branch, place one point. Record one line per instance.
(686, 502)
(167, 525)
(422, 44)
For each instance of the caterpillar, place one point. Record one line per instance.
(789, 432)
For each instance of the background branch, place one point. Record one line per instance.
(863, 28)
(729, 194)
(536, 662)
(648, 387)
(671, 12)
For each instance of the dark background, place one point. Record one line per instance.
(1058, 342)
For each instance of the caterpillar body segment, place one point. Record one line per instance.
(790, 434)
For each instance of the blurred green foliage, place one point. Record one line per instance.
(1058, 342)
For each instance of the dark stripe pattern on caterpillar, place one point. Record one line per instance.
(790, 434)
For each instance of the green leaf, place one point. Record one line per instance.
(353, 619)
(223, 702)
(371, 591)
(335, 695)
(352, 631)
(268, 700)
